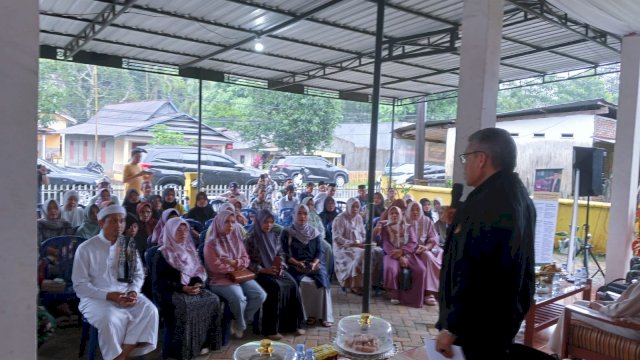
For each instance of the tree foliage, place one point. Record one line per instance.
(162, 135)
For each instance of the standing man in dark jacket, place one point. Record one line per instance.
(487, 277)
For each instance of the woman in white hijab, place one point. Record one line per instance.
(348, 249)
(70, 210)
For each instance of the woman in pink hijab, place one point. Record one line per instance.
(224, 252)
(178, 280)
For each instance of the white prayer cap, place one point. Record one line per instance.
(111, 209)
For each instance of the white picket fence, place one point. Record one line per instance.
(86, 192)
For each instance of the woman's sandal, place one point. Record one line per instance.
(430, 300)
(327, 323)
(311, 321)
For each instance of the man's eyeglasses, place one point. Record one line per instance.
(463, 157)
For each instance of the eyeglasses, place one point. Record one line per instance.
(463, 157)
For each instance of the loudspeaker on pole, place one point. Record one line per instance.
(590, 162)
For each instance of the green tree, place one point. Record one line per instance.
(295, 123)
(162, 135)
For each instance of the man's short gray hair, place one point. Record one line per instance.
(498, 145)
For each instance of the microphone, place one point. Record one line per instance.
(456, 195)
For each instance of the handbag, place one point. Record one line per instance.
(404, 282)
(241, 276)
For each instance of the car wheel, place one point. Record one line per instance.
(171, 184)
(298, 179)
(340, 180)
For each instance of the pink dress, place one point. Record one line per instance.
(390, 242)
(432, 260)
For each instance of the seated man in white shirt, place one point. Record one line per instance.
(108, 283)
(290, 200)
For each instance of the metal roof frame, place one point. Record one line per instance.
(424, 62)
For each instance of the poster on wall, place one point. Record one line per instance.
(546, 192)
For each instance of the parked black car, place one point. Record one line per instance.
(169, 163)
(303, 168)
(68, 176)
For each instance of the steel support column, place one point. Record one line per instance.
(373, 148)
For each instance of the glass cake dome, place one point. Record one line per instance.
(264, 349)
(365, 337)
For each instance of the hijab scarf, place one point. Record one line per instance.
(397, 231)
(329, 216)
(168, 205)
(303, 232)
(130, 206)
(182, 257)
(314, 219)
(420, 224)
(52, 224)
(156, 237)
(201, 213)
(226, 245)
(75, 215)
(88, 228)
(148, 226)
(267, 243)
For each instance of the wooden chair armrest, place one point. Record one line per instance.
(598, 316)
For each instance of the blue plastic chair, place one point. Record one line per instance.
(195, 225)
(215, 204)
(285, 217)
(250, 214)
(206, 225)
(58, 265)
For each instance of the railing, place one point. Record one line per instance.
(86, 192)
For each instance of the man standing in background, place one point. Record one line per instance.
(134, 174)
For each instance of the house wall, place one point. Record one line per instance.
(553, 151)
(79, 150)
(357, 158)
(405, 152)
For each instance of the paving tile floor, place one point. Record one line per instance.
(412, 327)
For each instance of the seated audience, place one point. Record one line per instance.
(435, 213)
(51, 224)
(156, 206)
(178, 282)
(147, 190)
(202, 211)
(169, 201)
(378, 204)
(261, 202)
(131, 201)
(426, 208)
(105, 183)
(391, 197)
(89, 227)
(348, 250)
(289, 200)
(224, 253)
(131, 229)
(322, 196)
(399, 245)
(234, 193)
(110, 298)
(70, 211)
(626, 307)
(303, 254)
(146, 225)
(282, 310)
(104, 198)
(442, 225)
(316, 222)
(428, 249)
(307, 193)
(156, 236)
(328, 214)
(399, 203)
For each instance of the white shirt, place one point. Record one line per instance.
(95, 270)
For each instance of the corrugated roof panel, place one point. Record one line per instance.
(242, 70)
(546, 62)
(79, 8)
(509, 73)
(261, 60)
(291, 49)
(136, 53)
(446, 78)
(53, 40)
(593, 52)
(328, 84)
(450, 10)
(66, 26)
(331, 36)
(358, 77)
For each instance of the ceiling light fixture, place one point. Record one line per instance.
(258, 46)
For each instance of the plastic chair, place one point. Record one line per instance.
(285, 217)
(250, 214)
(56, 261)
(215, 204)
(195, 225)
(206, 225)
